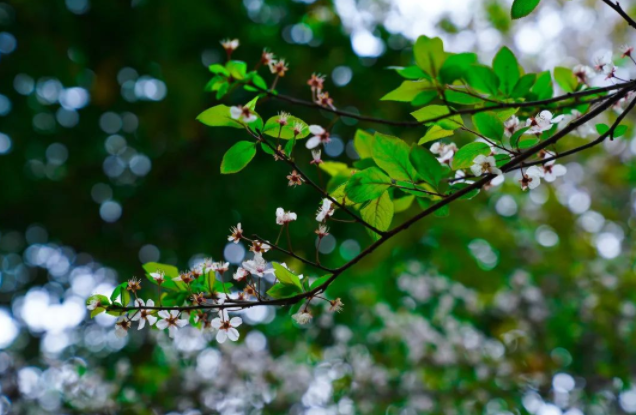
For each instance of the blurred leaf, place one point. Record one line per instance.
(464, 157)
(238, 156)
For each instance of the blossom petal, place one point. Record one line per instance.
(316, 129)
(313, 142)
(151, 320)
(221, 336)
(163, 314)
(233, 334)
(236, 321)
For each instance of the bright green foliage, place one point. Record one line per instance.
(464, 157)
(403, 203)
(410, 72)
(238, 156)
(489, 125)
(566, 79)
(409, 90)
(523, 86)
(432, 112)
(120, 293)
(619, 131)
(272, 128)
(363, 142)
(483, 79)
(219, 116)
(379, 213)
(456, 66)
(392, 155)
(522, 8)
(169, 271)
(427, 166)
(283, 290)
(434, 133)
(543, 88)
(286, 277)
(429, 55)
(319, 281)
(506, 68)
(367, 185)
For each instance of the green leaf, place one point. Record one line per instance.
(429, 54)
(408, 90)
(392, 155)
(427, 166)
(169, 273)
(434, 133)
(619, 131)
(335, 168)
(483, 79)
(522, 8)
(283, 291)
(237, 69)
(272, 128)
(542, 88)
(121, 291)
(320, 281)
(403, 203)
(218, 116)
(379, 213)
(285, 276)
(462, 98)
(103, 301)
(489, 125)
(410, 72)
(367, 185)
(363, 143)
(210, 279)
(218, 69)
(523, 86)
(566, 79)
(506, 68)
(432, 112)
(515, 138)
(459, 186)
(424, 98)
(602, 128)
(456, 66)
(464, 157)
(238, 156)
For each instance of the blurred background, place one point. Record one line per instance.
(518, 303)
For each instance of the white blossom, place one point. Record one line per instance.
(302, 317)
(321, 136)
(511, 126)
(242, 113)
(237, 234)
(171, 321)
(542, 122)
(143, 316)
(122, 325)
(484, 164)
(531, 178)
(257, 266)
(325, 210)
(551, 171)
(283, 217)
(226, 327)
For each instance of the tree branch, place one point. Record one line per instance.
(617, 7)
(468, 111)
(511, 165)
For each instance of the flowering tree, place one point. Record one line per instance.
(509, 121)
